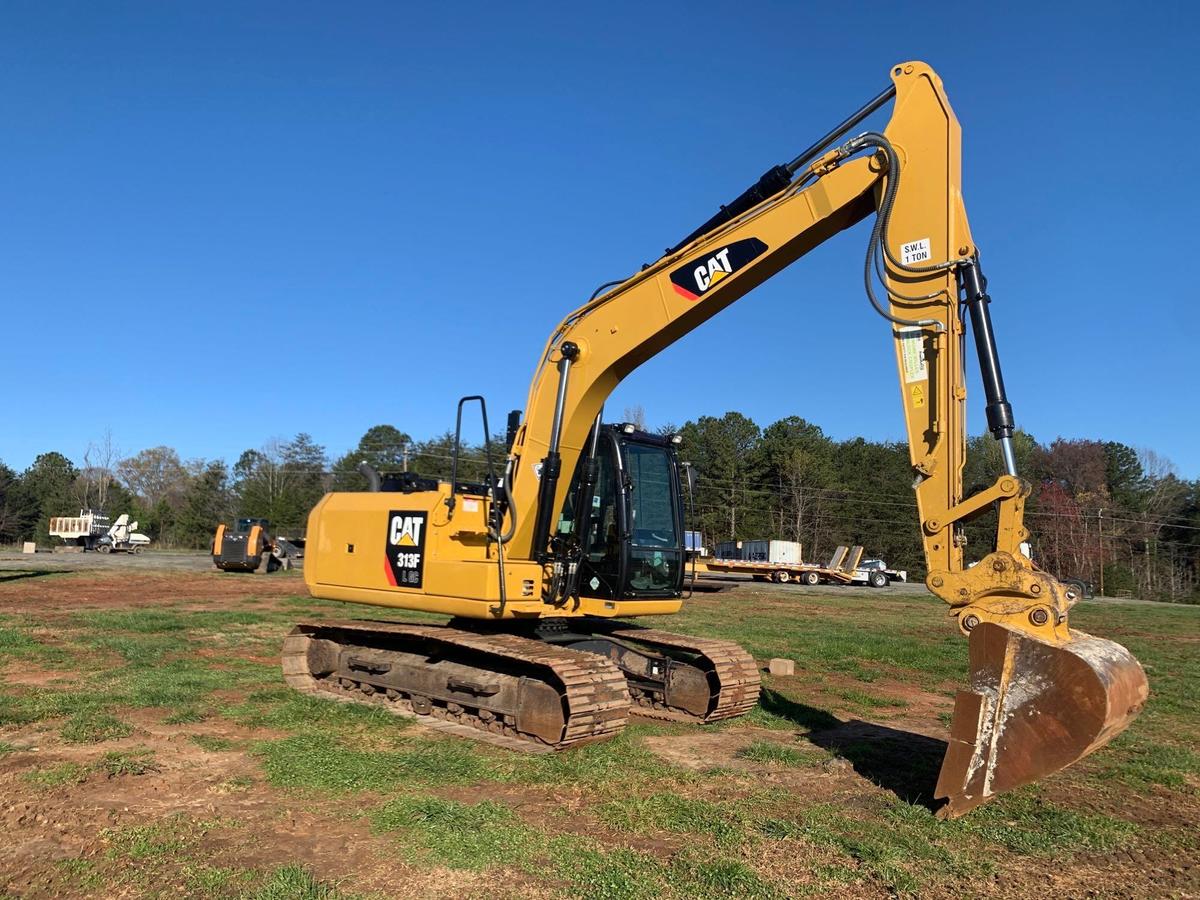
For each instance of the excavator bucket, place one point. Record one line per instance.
(1033, 708)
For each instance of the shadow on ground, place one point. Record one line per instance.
(17, 576)
(902, 762)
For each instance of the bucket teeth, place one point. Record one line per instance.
(1033, 708)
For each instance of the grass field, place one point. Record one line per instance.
(148, 748)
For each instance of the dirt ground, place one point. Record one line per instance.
(100, 563)
(204, 820)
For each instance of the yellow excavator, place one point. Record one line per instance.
(543, 562)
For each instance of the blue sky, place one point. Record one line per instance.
(226, 222)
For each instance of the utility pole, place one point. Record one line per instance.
(404, 450)
(1100, 529)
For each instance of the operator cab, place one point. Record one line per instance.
(632, 535)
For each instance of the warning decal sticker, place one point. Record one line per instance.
(405, 548)
(912, 354)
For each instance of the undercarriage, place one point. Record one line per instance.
(551, 685)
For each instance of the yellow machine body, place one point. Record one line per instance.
(354, 537)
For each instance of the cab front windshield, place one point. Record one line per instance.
(654, 558)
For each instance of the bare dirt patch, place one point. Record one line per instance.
(75, 591)
(249, 825)
(23, 674)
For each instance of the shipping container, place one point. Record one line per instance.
(785, 552)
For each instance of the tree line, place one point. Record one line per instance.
(178, 503)
(1099, 510)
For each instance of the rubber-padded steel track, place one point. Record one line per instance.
(735, 671)
(595, 696)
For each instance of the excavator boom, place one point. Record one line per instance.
(1041, 695)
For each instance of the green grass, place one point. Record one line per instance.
(725, 823)
(138, 658)
(174, 857)
(456, 834)
(1025, 824)
(160, 621)
(173, 683)
(94, 726)
(483, 835)
(157, 843)
(897, 641)
(901, 849)
(203, 880)
(17, 643)
(323, 762)
(80, 874)
(662, 830)
(284, 709)
(186, 715)
(693, 876)
(135, 621)
(146, 842)
(1146, 763)
(128, 762)
(136, 649)
(864, 701)
(614, 875)
(780, 754)
(113, 764)
(56, 776)
(294, 883)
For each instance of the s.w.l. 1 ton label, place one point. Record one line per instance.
(406, 548)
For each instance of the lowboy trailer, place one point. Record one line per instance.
(841, 569)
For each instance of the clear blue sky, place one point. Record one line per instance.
(226, 222)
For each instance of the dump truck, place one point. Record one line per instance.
(92, 531)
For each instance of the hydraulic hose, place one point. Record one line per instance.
(879, 235)
(503, 537)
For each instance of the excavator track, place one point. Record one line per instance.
(498, 688)
(732, 674)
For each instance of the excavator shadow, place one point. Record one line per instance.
(28, 573)
(902, 762)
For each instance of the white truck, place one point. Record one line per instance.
(92, 531)
(869, 571)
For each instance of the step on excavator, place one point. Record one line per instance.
(581, 529)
